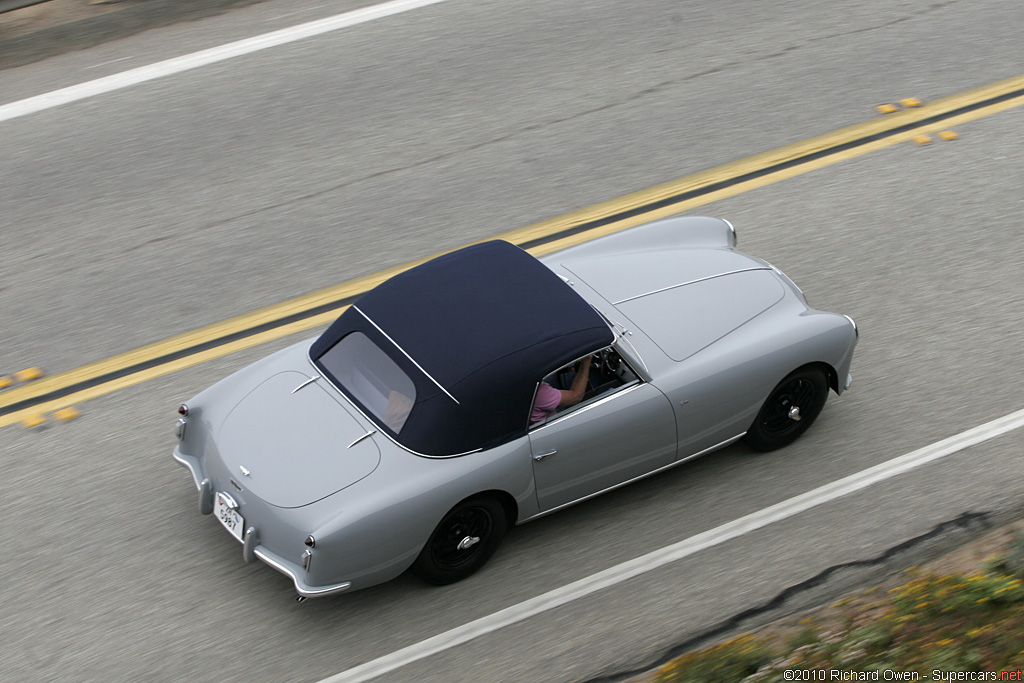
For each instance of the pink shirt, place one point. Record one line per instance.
(547, 402)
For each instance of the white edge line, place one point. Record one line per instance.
(690, 546)
(212, 55)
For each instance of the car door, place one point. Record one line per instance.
(611, 439)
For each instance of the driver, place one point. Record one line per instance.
(549, 399)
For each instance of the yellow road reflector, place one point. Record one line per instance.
(5, 382)
(28, 374)
(948, 134)
(886, 108)
(911, 102)
(922, 139)
(65, 414)
(33, 421)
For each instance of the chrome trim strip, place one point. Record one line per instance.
(206, 494)
(308, 381)
(669, 466)
(411, 359)
(369, 433)
(635, 353)
(732, 229)
(723, 444)
(853, 322)
(250, 541)
(301, 588)
(621, 391)
(785, 278)
(616, 336)
(183, 460)
(683, 284)
(533, 402)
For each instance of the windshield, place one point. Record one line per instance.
(368, 375)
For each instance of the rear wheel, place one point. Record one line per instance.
(789, 410)
(462, 542)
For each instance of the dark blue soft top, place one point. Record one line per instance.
(486, 323)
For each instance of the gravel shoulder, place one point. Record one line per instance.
(958, 547)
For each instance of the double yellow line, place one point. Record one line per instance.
(320, 307)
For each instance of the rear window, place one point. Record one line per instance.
(359, 366)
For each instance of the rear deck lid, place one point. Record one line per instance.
(295, 445)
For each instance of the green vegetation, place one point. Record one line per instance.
(972, 622)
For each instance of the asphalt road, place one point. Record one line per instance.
(132, 216)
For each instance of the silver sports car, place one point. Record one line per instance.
(487, 387)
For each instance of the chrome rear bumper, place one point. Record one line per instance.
(251, 549)
(292, 570)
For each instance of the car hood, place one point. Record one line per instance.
(683, 299)
(291, 447)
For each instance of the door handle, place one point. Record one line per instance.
(541, 456)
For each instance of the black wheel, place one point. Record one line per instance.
(789, 410)
(463, 541)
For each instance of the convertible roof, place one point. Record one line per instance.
(476, 330)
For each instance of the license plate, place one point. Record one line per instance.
(228, 516)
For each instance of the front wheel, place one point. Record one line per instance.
(789, 410)
(462, 542)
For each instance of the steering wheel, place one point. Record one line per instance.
(609, 360)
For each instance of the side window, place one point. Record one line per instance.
(608, 371)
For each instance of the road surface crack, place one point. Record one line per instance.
(969, 523)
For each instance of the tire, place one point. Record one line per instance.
(789, 410)
(442, 560)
